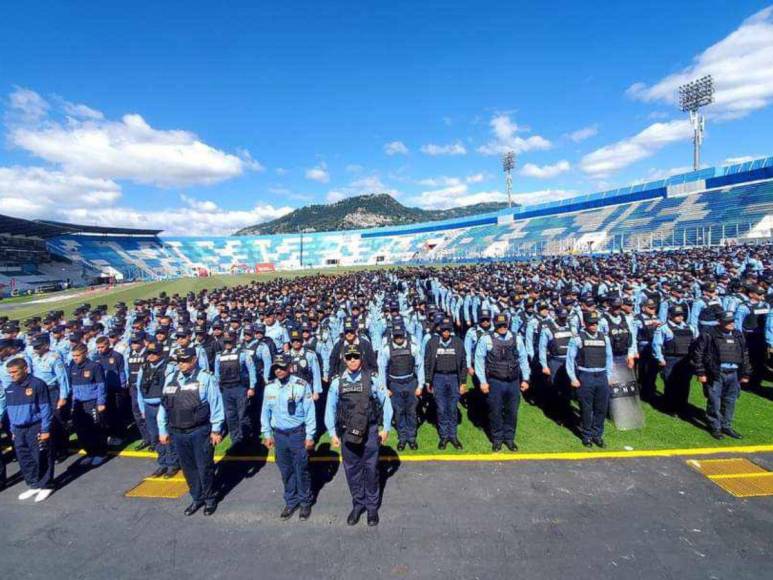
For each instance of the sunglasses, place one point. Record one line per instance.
(352, 357)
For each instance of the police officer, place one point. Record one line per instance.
(191, 418)
(235, 373)
(357, 404)
(135, 358)
(48, 366)
(645, 324)
(503, 370)
(553, 346)
(671, 348)
(150, 388)
(337, 364)
(446, 375)
(707, 310)
(305, 362)
(750, 318)
(720, 360)
(403, 365)
(114, 371)
(289, 425)
(30, 415)
(89, 403)
(589, 366)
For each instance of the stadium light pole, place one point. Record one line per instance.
(508, 164)
(693, 96)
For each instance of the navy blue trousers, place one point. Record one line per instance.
(197, 458)
(167, 456)
(36, 459)
(361, 468)
(445, 388)
(59, 440)
(503, 400)
(139, 420)
(593, 395)
(404, 402)
(721, 395)
(292, 459)
(88, 426)
(235, 403)
(677, 375)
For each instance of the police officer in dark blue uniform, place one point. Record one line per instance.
(30, 415)
(553, 346)
(114, 370)
(671, 348)
(135, 358)
(235, 373)
(89, 403)
(357, 405)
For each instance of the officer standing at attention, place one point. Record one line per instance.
(114, 371)
(671, 348)
(404, 368)
(720, 360)
(751, 318)
(89, 400)
(135, 358)
(48, 366)
(305, 363)
(446, 375)
(30, 416)
(150, 388)
(235, 373)
(503, 370)
(357, 404)
(289, 424)
(589, 366)
(191, 417)
(553, 346)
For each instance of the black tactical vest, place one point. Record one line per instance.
(679, 346)
(559, 344)
(711, 312)
(592, 353)
(153, 380)
(619, 335)
(755, 320)
(648, 325)
(502, 360)
(135, 360)
(301, 368)
(729, 348)
(401, 361)
(446, 358)
(357, 409)
(230, 368)
(184, 407)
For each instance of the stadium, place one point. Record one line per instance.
(309, 327)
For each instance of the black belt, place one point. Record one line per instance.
(292, 431)
(188, 430)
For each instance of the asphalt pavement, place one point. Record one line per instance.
(619, 518)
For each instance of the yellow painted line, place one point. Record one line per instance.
(165, 479)
(740, 475)
(499, 457)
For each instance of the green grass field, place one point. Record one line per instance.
(536, 432)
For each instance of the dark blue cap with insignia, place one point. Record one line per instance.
(185, 353)
(281, 360)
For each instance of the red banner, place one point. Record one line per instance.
(267, 267)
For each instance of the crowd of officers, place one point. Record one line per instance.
(363, 353)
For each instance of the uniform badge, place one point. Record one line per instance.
(303, 363)
(111, 360)
(86, 374)
(28, 392)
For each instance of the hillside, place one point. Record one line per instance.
(364, 211)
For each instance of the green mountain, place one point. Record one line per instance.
(363, 211)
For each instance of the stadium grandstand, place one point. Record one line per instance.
(710, 207)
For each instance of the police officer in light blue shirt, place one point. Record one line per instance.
(235, 373)
(288, 424)
(589, 366)
(191, 418)
(275, 330)
(48, 366)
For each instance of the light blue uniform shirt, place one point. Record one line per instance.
(274, 414)
(485, 344)
(245, 364)
(383, 359)
(50, 369)
(378, 390)
(573, 351)
(209, 392)
(662, 335)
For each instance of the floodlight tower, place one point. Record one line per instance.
(693, 96)
(508, 164)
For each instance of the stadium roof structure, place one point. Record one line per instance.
(50, 229)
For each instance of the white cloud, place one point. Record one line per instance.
(354, 168)
(395, 148)
(460, 195)
(740, 64)
(451, 149)
(582, 134)
(361, 186)
(187, 220)
(542, 196)
(655, 174)
(607, 160)
(318, 173)
(505, 138)
(126, 149)
(476, 178)
(39, 192)
(740, 159)
(545, 171)
(80, 111)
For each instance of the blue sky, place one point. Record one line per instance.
(202, 117)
